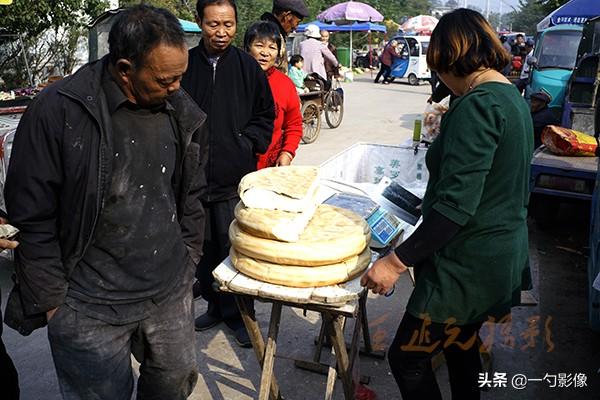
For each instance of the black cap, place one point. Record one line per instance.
(296, 6)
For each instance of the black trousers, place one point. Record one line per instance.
(410, 358)
(219, 216)
(384, 70)
(9, 378)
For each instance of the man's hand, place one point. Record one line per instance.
(284, 159)
(6, 243)
(383, 274)
(50, 314)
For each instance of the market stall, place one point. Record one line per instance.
(304, 236)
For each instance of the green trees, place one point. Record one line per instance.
(47, 32)
(531, 12)
(183, 9)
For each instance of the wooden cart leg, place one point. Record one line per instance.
(332, 371)
(336, 334)
(354, 347)
(320, 339)
(362, 305)
(269, 360)
(368, 349)
(258, 343)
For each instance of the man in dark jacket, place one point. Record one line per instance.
(105, 182)
(542, 115)
(229, 85)
(286, 14)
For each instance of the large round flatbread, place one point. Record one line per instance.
(332, 235)
(273, 224)
(289, 188)
(298, 276)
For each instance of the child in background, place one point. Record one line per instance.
(296, 74)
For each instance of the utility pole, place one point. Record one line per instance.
(487, 10)
(500, 18)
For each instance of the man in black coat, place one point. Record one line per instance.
(286, 14)
(105, 185)
(229, 85)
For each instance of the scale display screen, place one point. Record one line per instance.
(384, 226)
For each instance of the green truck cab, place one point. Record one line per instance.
(553, 61)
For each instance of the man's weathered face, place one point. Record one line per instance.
(289, 21)
(218, 27)
(159, 77)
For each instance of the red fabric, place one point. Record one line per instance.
(389, 53)
(287, 130)
(364, 393)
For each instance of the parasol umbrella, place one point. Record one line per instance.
(421, 24)
(573, 12)
(350, 12)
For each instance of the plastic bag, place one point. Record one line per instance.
(432, 118)
(568, 142)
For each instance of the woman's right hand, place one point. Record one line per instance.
(384, 274)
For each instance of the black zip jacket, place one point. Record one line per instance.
(237, 99)
(59, 173)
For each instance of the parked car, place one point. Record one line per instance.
(366, 57)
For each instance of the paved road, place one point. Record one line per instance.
(385, 114)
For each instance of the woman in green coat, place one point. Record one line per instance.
(471, 250)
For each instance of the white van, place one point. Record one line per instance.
(413, 64)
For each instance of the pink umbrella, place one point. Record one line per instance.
(350, 11)
(420, 24)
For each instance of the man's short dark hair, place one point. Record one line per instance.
(139, 29)
(262, 30)
(519, 35)
(202, 4)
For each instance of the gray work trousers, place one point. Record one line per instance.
(93, 357)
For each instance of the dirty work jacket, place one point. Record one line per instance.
(59, 173)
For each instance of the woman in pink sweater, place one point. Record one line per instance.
(262, 41)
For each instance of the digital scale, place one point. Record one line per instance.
(388, 216)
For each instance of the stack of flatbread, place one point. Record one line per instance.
(281, 234)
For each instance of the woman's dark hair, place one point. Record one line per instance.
(202, 4)
(262, 30)
(295, 59)
(139, 29)
(463, 42)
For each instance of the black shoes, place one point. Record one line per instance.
(206, 321)
(242, 338)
